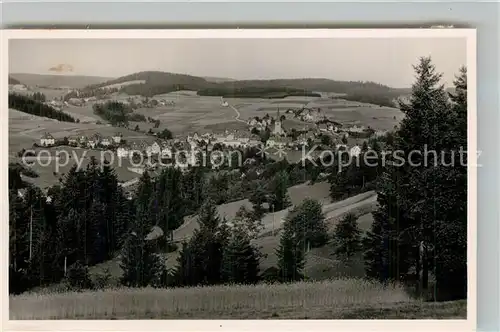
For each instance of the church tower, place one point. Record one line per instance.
(278, 130)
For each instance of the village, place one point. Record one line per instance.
(265, 134)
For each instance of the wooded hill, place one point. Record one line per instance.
(162, 82)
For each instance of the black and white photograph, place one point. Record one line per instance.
(241, 175)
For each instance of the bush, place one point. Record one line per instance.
(271, 275)
(102, 280)
(78, 276)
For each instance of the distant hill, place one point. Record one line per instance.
(57, 81)
(13, 80)
(157, 82)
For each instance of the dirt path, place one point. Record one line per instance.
(331, 211)
(237, 118)
(273, 221)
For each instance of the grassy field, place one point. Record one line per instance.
(331, 299)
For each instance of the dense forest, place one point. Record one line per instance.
(419, 231)
(256, 92)
(34, 106)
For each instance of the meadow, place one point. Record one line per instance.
(329, 299)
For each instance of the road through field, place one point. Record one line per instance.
(237, 118)
(334, 210)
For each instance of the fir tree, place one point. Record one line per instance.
(308, 222)
(419, 203)
(291, 255)
(347, 237)
(240, 260)
(140, 264)
(201, 259)
(279, 191)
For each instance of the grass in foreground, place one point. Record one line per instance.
(334, 299)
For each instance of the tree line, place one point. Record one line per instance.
(255, 92)
(34, 105)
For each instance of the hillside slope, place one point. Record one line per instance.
(12, 80)
(57, 81)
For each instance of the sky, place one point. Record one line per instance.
(383, 60)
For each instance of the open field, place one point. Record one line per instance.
(193, 113)
(332, 299)
(203, 113)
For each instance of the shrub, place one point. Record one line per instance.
(78, 276)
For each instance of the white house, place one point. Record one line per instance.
(252, 122)
(92, 143)
(153, 149)
(356, 129)
(106, 141)
(355, 151)
(117, 138)
(47, 140)
(122, 152)
(73, 141)
(82, 140)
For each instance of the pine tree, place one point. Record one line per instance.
(167, 202)
(308, 222)
(240, 262)
(339, 185)
(279, 191)
(201, 259)
(347, 237)
(258, 198)
(140, 264)
(419, 201)
(450, 242)
(291, 255)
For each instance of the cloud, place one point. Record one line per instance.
(61, 68)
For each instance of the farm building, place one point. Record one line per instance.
(117, 138)
(106, 141)
(47, 140)
(73, 141)
(277, 141)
